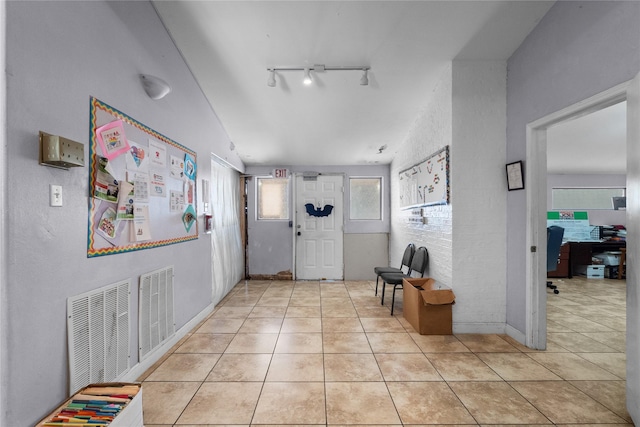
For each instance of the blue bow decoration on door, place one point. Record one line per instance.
(318, 212)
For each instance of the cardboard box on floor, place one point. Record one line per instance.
(427, 306)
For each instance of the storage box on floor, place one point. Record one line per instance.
(427, 306)
(125, 400)
(591, 271)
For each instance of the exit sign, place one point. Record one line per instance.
(280, 173)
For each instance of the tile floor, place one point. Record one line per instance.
(310, 353)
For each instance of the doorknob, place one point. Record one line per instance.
(299, 233)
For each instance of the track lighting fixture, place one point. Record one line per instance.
(364, 80)
(318, 68)
(307, 77)
(272, 78)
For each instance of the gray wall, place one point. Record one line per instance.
(270, 243)
(58, 55)
(577, 50)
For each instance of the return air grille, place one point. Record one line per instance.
(156, 323)
(98, 324)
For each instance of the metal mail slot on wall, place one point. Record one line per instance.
(59, 152)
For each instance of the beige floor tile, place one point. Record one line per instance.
(480, 343)
(339, 311)
(562, 403)
(611, 394)
(424, 403)
(296, 367)
(262, 311)
(578, 343)
(341, 293)
(462, 367)
(359, 403)
(614, 340)
(273, 302)
(252, 343)
(291, 403)
(230, 312)
(242, 300)
(240, 367)
(185, 367)
(616, 363)
(384, 324)
(299, 343)
(261, 325)
(205, 343)
(439, 343)
(517, 367)
(305, 301)
(278, 293)
(336, 301)
(615, 323)
(301, 324)
(351, 367)
(578, 323)
(303, 311)
(220, 326)
(496, 403)
(222, 403)
(345, 342)
(406, 367)
(164, 401)
(572, 367)
(373, 311)
(392, 342)
(330, 324)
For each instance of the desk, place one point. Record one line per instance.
(580, 253)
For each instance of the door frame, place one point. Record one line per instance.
(294, 217)
(536, 177)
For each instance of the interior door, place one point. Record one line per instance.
(319, 227)
(633, 249)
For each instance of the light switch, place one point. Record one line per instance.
(55, 195)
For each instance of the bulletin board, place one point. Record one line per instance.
(426, 183)
(142, 186)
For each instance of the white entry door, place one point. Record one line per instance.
(319, 227)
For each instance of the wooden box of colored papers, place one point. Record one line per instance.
(103, 404)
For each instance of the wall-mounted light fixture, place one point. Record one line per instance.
(59, 152)
(154, 86)
(318, 68)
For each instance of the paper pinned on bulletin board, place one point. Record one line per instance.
(143, 186)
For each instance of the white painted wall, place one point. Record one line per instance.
(58, 55)
(465, 239)
(479, 195)
(577, 50)
(432, 130)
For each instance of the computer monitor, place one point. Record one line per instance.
(619, 202)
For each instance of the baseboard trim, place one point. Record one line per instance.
(478, 328)
(141, 367)
(515, 334)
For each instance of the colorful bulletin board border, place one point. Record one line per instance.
(98, 107)
(426, 183)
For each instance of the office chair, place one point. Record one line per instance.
(406, 262)
(554, 241)
(418, 266)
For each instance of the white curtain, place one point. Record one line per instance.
(227, 259)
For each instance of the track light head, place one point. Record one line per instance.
(364, 80)
(272, 78)
(155, 87)
(307, 77)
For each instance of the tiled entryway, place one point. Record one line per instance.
(327, 353)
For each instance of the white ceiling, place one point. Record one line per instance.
(591, 144)
(230, 44)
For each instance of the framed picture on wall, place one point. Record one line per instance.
(515, 180)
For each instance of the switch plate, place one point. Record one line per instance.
(55, 195)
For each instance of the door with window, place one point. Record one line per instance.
(319, 227)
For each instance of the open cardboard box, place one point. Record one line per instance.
(427, 306)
